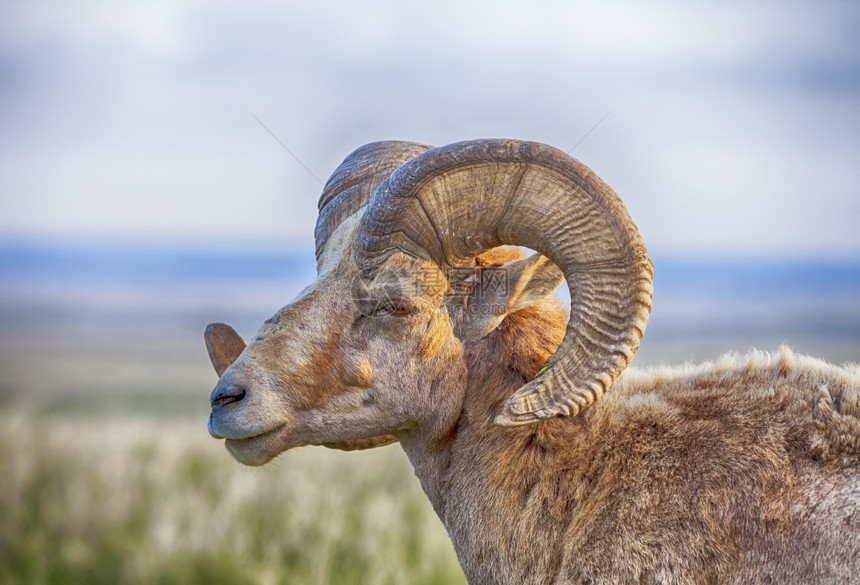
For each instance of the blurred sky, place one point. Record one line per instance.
(728, 128)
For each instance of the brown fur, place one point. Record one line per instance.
(742, 471)
(726, 473)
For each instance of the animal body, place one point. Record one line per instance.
(425, 328)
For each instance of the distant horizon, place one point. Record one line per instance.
(109, 300)
(102, 243)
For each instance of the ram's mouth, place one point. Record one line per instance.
(257, 449)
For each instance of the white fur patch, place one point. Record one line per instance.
(339, 242)
(782, 362)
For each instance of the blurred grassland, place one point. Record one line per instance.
(112, 478)
(108, 475)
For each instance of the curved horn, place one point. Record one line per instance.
(452, 203)
(353, 182)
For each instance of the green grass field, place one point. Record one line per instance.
(121, 499)
(112, 478)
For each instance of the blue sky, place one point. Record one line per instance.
(728, 128)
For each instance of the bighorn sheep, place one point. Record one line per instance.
(424, 328)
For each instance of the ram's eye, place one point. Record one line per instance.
(396, 305)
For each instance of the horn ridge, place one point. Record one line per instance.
(352, 183)
(452, 203)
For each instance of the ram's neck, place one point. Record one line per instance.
(480, 476)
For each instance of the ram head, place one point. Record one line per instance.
(409, 282)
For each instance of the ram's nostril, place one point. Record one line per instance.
(224, 394)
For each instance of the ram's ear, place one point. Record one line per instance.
(498, 291)
(223, 344)
(530, 281)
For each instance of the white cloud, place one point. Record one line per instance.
(133, 119)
